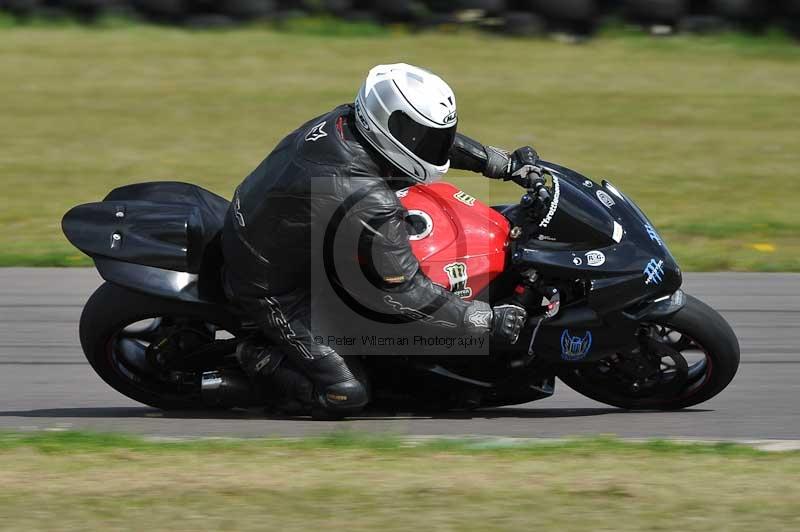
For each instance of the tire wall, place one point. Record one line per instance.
(514, 17)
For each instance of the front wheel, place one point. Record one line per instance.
(683, 360)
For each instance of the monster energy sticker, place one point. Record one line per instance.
(457, 275)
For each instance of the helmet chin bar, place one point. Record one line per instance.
(428, 178)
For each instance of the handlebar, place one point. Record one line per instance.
(522, 180)
(535, 184)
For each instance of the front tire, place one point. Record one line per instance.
(701, 328)
(105, 317)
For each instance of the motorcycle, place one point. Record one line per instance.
(607, 314)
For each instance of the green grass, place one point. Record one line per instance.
(704, 133)
(66, 442)
(87, 481)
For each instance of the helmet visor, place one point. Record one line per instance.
(428, 143)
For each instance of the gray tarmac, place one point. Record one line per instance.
(45, 382)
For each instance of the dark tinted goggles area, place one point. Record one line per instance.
(428, 143)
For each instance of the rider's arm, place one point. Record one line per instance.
(469, 154)
(386, 258)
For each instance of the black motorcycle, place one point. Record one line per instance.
(602, 290)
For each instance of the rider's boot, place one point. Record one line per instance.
(282, 389)
(288, 392)
(339, 390)
(326, 387)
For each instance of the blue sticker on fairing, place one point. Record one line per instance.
(653, 234)
(654, 272)
(575, 347)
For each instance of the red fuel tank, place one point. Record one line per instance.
(460, 242)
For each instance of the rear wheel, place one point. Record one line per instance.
(151, 349)
(682, 360)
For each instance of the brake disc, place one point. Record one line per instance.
(672, 373)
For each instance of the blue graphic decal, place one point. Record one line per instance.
(652, 234)
(654, 272)
(575, 347)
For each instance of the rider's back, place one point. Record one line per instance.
(271, 231)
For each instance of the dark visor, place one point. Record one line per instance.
(428, 143)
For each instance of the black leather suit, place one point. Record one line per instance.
(275, 231)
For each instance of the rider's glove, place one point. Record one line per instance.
(503, 165)
(507, 322)
(503, 322)
(522, 157)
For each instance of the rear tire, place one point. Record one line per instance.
(113, 307)
(709, 331)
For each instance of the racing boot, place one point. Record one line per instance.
(338, 390)
(283, 390)
(288, 392)
(257, 360)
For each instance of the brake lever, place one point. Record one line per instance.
(544, 195)
(522, 180)
(522, 177)
(536, 192)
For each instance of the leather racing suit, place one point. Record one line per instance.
(269, 240)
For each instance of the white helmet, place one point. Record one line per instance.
(409, 115)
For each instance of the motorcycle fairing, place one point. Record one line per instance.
(161, 238)
(628, 272)
(166, 225)
(620, 279)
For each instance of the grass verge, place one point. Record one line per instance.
(90, 481)
(702, 132)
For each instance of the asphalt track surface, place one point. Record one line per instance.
(45, 381)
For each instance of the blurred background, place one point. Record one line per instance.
(519, 17)
(691, 107)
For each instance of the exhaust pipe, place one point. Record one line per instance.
(227, 389)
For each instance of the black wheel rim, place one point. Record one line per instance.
(675, 367)
(698, 359)
(137, 349)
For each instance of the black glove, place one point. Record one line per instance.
(502, 165)
(503, 322)
(525, 156)
(508, 321)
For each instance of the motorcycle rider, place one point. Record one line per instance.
(401, 126)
